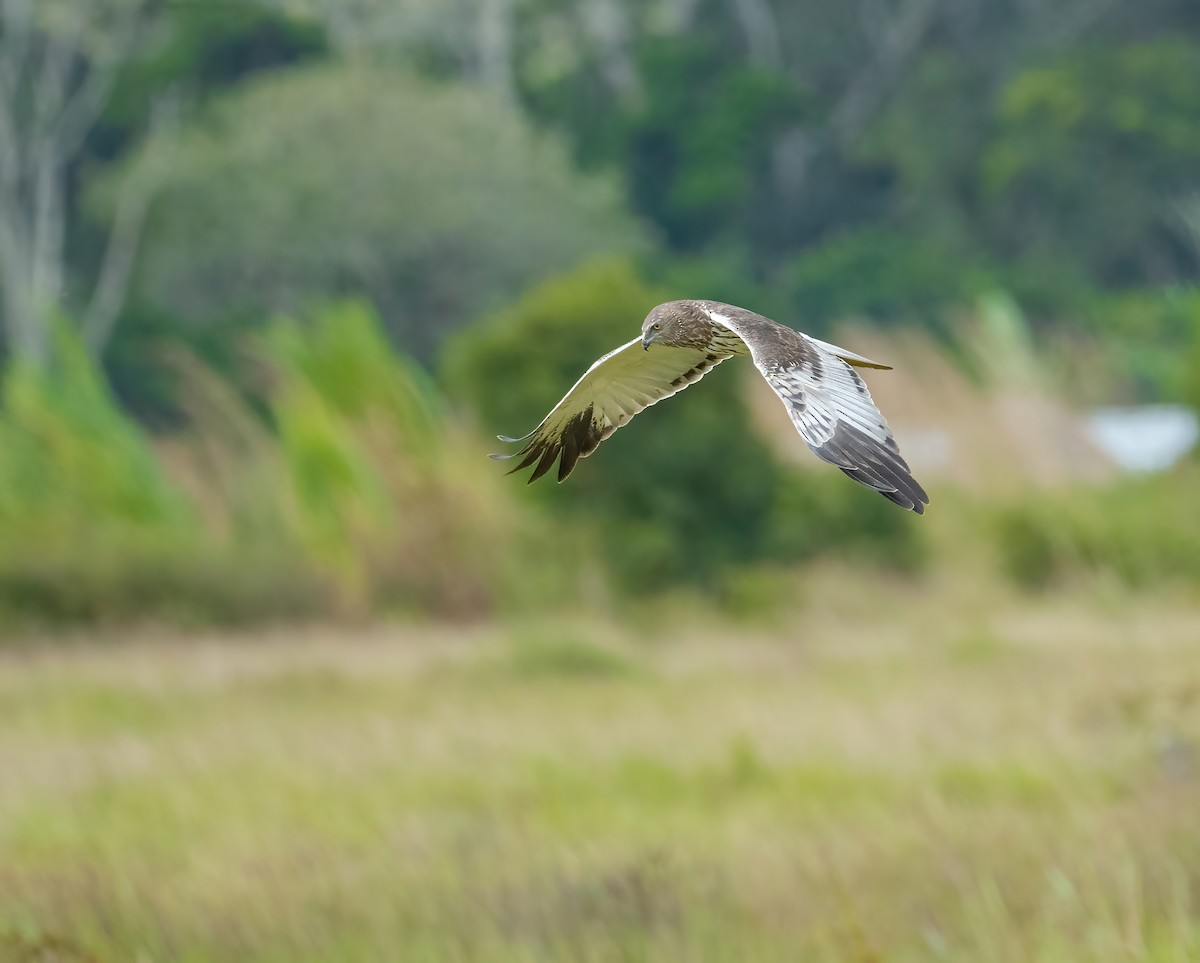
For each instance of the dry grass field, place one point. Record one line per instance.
(883, 775)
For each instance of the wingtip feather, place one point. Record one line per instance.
(514, 441)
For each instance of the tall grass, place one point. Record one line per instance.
(872, 783)
(338, 483)
(87, 511)
(354, 493)
(1138, 531)
(390, 498)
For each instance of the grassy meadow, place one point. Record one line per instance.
(883, 772)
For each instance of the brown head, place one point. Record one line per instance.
(677, 324)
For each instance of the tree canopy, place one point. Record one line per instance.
(431, 199)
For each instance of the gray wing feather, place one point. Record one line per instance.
(830, 406)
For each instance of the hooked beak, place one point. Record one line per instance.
(648, 339)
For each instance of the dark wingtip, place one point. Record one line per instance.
(911, 498)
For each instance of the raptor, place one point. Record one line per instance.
(681, 341)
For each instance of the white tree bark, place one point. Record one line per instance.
(494, 47)
(58, 60)
(676, 16)
(608, 23)
(762, 31)
(896, 36)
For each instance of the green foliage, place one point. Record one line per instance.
(819, 514)
(364, 500)
(1141, 532)
(554, 655)
(430, 199)
(884, 275)
(202, 50)
(845, 789)
(698, 149)
(376, 478)
(72, 460)
(660, 496)
(684, 494)
(841, 170)
(96, 529)
(1002, 150)
(80, 489)
(1148, 338)
(1133, 114)
(792, 163)
(1190, 393)
(137, 367)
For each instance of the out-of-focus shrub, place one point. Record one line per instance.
(1139, 347)
(700, 147)
(1140, 531)
(677, 494)
(1131, 110)
(821, 512)
(94, 527)
(364, 497)
(683, 493)
(882, 275)
(72, 462)
(79, 486)
(390, 499)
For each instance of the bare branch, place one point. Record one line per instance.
(1071, 21)
(137, 192)
(113, 282)
(870, 90)
(26, 335)
(14, 42)
(58, 62)
(607, 22)
(82, 111)
(874, 20)
(678, 15)
(46, 235)
(762, 31)
(52, 87)
(10, 156)
(494, 47)
(1184, 217)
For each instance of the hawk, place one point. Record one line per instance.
(681, 342)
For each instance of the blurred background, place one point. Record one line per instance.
(290, 670)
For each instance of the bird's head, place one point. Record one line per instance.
(669, 325)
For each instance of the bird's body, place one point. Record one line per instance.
(681, 342)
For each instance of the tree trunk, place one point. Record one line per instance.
(761, 30)
(56, 73)
(494, 47)
(897, 37)
(609, 25)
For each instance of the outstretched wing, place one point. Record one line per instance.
(830, 405)
(613, 390)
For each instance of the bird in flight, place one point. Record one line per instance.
(681, 342)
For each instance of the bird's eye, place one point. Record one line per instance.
(656, 326)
